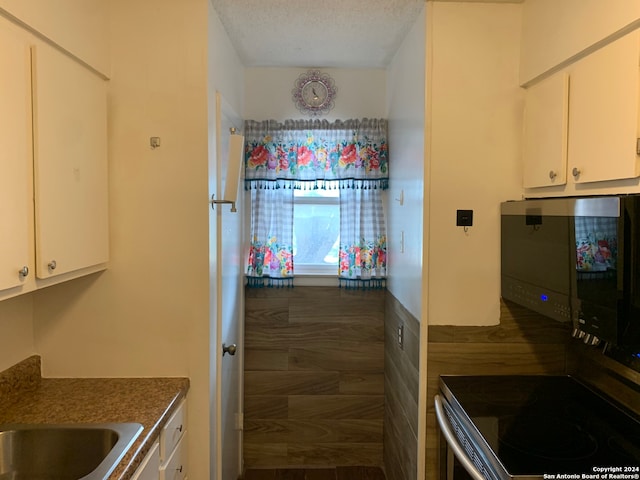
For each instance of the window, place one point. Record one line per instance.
(316, 231)
(316, 200)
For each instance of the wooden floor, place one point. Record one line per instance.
(337, 473)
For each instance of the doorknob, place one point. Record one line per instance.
(231, 349)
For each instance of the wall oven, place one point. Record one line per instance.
(535, 427)
(576, 260)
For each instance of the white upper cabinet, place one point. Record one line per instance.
(16, 198)
(546, 114)
(582, 125)
(603, 113)
(70, 164)
(555, 31)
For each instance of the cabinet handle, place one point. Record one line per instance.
(552, 174)
(24, 271)
(575, 172)
(179, 469)
(52, 265)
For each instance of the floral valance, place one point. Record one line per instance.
(316, 153)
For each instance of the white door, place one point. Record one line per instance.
(230, 305)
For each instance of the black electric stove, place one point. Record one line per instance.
(529, 426)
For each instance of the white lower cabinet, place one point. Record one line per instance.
(175, 467)
(173, 446)
(167, 459)
(150, 466)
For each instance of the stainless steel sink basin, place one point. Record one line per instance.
(63, 452)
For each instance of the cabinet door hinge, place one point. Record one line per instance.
(239, 421)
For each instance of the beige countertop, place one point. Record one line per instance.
(26, 398)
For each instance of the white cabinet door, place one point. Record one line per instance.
(70, 163)
(149, 469)
(603, 113)
(546, 114)
(16, 204)
(175, 467)
(173, 431)
(173, 445)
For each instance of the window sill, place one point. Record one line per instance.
(315, 280)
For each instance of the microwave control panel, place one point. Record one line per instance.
(546, 302)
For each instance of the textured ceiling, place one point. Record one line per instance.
(317, 33)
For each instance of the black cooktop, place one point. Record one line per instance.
(539, 425)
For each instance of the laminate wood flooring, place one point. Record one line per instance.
(336, 473)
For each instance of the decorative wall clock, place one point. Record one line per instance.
(314, 93)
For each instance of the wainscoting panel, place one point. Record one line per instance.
(323, 388)
(401, 392)
(523, 343)
(314, 377)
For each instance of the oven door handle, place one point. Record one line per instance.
(450, 437)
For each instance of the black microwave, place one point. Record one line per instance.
(576, 260)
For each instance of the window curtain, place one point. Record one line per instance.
(350, 155)
(271, 249)
(363, 239)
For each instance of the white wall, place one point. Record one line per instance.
(148, 314)
(156, 288)
(553, 30)
(361, 93)
(268, 95)
(476, 118)
(16, 330)
(226, 73)
(406, 114)
(78, 26)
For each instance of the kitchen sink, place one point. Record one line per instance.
(63, 452)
